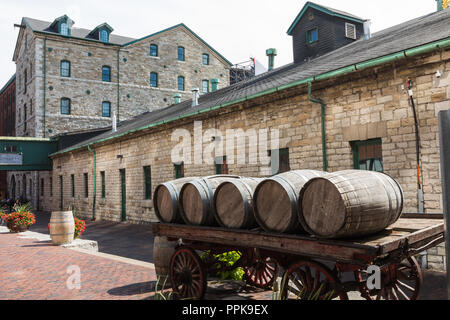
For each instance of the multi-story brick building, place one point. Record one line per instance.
(7, 121)
(72, 79)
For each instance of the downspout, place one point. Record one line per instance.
(45, 83)
(322, 116)
(118, 84)
(95, 184)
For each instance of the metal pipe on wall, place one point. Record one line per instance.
(322, 117)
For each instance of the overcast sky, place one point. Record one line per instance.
(238, 29)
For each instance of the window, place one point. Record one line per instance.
(51, 186)
(153, 79)
(153, 50)
(221, 165)
(368, 155)
(312, 35)
(25, 80)
(279, 160)
(179, 170)
(72, 184)
(64, 29)
(102, 175)
(65, 68)
(350, 31)
(181, 83)
(205, 59)
(148, 182)
(181, 56)
(205, 86)
(86, 185)
(42, 187)
(106, 74)
(104, 36)
(106, 109)
(65, 106)
(25, 117)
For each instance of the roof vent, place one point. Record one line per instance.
(114, 122)
(350, 31)
(366, 26)
(195, 94)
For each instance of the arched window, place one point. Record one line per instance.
(106, 73)
(153, 50)
(153, 79)
(65, 106)
(181, 56)
(205, 59)
(65, 68)
(64, 29)
(205, 86)
(181, 83)
(106, 109)
(104, 36)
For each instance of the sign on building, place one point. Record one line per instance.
(11, 159)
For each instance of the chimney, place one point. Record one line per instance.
(114, 122)
(195, 94)
(214, 84)
(271, 53)
(177, 98)
(439, 5)
(367, 34)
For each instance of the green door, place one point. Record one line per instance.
(61, 200)
(123, 187)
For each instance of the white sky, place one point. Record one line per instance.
(238, 29)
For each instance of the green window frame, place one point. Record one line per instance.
(72, 185)
(86, 185)
(368, 155)
(279, 161)
(205, 59)
(102, 176)
(180, 83)
(106, 109)
(148, 182)
(64, 68)
(181, 54)
(179, 170)
(221, 165)
(65, 106)
(153, 50)
(312, 35)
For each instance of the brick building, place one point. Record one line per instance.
(73, 79)
(7, 121)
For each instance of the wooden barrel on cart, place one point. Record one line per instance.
(233, 203)
(350, 203)
(61, 227)
(276, 200)
(165, 200)
(197, 197)
(163, 249)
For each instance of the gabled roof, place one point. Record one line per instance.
(8, 83)
(417, 36)
(65, 18)
(102, 26)
(327, 10)
(182, 25)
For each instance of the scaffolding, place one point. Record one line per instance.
(242, 71)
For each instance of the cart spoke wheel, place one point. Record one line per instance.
(262, 272)
(309, 280)
(187, 274)
(401, 281)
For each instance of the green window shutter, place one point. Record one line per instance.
(72, 181)
(86, 185)
(102, 175)
(51, 186)
(147, 182)
(221, 165)
(179, 171)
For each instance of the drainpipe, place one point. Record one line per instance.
(95, 184)
(439, 5)
(118, 84)
(324, 140)
(45, 83)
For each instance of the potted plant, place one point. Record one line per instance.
(80, 226)
(21, 219)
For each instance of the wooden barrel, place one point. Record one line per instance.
(350, 203)
(276, 200)
(197, 197)
(165, 200)
(163, 249)
(62, 227)
(233, 203)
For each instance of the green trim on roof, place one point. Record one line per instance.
(322, 9)
(173, 27)
(403, 54)
(8, 83)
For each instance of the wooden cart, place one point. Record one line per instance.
(312, 267)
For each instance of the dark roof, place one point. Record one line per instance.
(327, 10)
(411, 34)
(8, 83)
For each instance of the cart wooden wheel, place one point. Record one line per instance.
(187, 274)
(310, 280)
(262, 272)
(399, 281)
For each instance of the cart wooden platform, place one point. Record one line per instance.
(313, 268)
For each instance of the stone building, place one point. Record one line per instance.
(72, 79)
